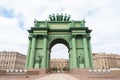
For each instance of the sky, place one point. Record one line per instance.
(101, 16)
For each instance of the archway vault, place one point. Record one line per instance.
(73, 34)
(59, 40)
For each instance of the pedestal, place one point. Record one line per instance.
(79, 71)
(82, 66)
(37, 71)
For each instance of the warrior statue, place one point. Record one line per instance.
(38, 61)
(59, 17)
(65, 17)
(80, 59)
(36, 23)
(68, 18)
(50, 16)
(83, 23)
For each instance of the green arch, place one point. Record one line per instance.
(59, 40)
(45, 34)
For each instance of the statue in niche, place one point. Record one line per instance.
(38, 60)
(80, 59)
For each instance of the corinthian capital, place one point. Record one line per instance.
(34, 36)
(73, 35)
(84, 35)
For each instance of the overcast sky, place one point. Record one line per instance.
(102, 16)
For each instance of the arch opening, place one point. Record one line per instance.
(59, 55)
(59, 51)
(59, 40)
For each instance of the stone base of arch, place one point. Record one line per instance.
(80, 71)
(37, 71)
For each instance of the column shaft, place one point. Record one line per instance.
(70, 59)
(86, 54)
(74, 57)
(91, 56)
(44, 52)
(47, 60)
(28, 53)
(32, 54)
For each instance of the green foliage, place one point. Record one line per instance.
(65, 69)
(55, 69)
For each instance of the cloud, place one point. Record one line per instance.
(6, 13)
(102, 16)
(59, 51)
(12, 37)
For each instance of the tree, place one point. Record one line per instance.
(64, 69)
(55, 69)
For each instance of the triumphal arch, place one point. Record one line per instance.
(59, 29)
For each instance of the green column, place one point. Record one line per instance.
(91, 58)
(74, 57)
(70, 59)
(44, 52)
(49, 60)
(28, 52)
(32, 54)
(47, 55)
(86, 53)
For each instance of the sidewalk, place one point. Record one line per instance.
(58, 77)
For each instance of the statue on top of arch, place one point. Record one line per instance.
(59, 17)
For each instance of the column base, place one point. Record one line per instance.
(82, 66)
(2, 72)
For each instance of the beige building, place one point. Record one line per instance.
(12, 60)
(15, 60)
(100, 61)
(106, 61)
(59, 64)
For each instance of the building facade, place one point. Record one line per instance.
(60, 64)
(100, 60)
(106, 61)
(12, 60)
